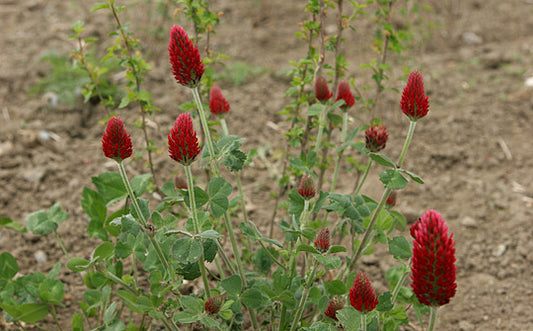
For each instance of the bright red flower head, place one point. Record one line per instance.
(217, 103)
(336, 303)
(345, 94)
(322, 92)
(414, 103)
(182, 141)
(376, 137)
(307, 187)
(187, 65)
(362, 294)
(322, 240)
(433, 264)
(213, 305)
(116, 142)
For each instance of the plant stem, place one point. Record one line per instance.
(203, 120)
(362, 180)
(399, 284)
(432, 317)
(363, 322)
(322, 121)
(339, 153)
(384, 197)
(216, 172)
(140, 215)
(54, 315)
(196, 223)
(412, 126)
(307, 288)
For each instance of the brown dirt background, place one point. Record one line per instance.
(480, 107)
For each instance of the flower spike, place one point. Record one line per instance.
(336, 303)
(322, 240)
(187, 65)
(322, 92)
(345, 94)
(433, 264)
(362, 294)
(213, 305)
(414, 103)
(182, 140)
(217, 103)
(116, 142)
(307, 187)
(376, 137)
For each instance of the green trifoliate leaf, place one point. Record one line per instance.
(382, 160)
(393, 179)
(400, 248)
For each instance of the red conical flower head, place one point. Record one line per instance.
(213, 305)
(322, 92)
(433, 263)
(116, 142)
(345, 94)
(362, 294)
(414, 103)
(217, 103)
(187, 65)
(322, 240)
(182, 141)
(336, 303)
(376, 137)
(307, 187)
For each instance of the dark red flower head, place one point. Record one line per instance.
(322, 240)
(322, 92)
(217, 103)
(213, 305)
(307, 187)
(336, 303)
(345, 94)
(362, 294)
(182, 141)
(433, 264)
(187, 65)
(376, 137)
(116, 142)
(414, 103)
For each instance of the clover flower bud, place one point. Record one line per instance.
(322, 92)
(182, 140)
(345, 94)
(362, 294)
(213, 305)
(307, 187)
(376, 137)
(185, 60)
(414, 103)
(180, 182)
(391, 200)
(336, 303)
(433, 269)
(218, 105)
(322, 240)
(116, 142)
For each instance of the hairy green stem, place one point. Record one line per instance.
(196, 223)
(412, 126)
(216, 172)
(433, 310)
(141, 218)
(203, 120)
(307, 288)
(322, 121)
(400, 282)
(363, 322)
(341, 152)
(363, 179)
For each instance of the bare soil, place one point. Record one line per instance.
(473, 149)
